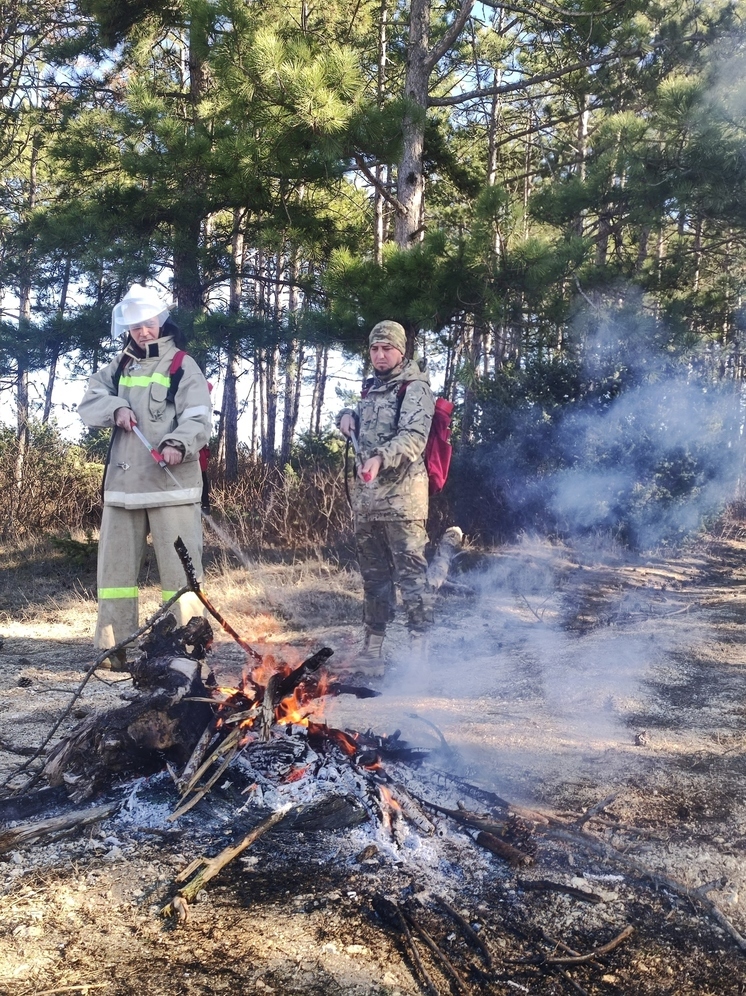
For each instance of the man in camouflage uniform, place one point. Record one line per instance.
(390, 492)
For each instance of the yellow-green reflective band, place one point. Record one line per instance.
(132, 380)
(117, 593)
(165, 595)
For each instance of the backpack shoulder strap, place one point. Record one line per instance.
(123, 361)
(175, 372)
(400, 398)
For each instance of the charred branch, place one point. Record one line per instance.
(193, 585)
(204, 869)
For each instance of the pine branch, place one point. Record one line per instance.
(496, 91)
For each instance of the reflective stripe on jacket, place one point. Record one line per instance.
(133, 478)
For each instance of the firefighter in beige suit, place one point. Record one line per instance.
(136, 389)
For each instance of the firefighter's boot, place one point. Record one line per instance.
(370, 660)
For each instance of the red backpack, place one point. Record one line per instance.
(438, 448)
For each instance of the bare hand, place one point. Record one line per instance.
(369, 470)
(171, 455)
(347, 424)
(124, 418)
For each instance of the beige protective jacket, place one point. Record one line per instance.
(400, 491)
(133, 478)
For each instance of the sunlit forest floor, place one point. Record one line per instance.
(561, 678)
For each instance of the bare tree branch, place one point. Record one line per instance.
(450, 37)
(380, 187)
(496, 91)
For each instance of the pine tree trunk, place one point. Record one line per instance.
(271, 391)
(229, 418)
(319, 388)
(55, 353)
(288, 425)
(379, 234)
(229, 415)
(410, 183)
(13, 500)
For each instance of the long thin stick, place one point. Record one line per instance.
(415, 955)
(441, 957)
(78, 691)
(467, 929)
(194, 586)
(204, 789)
(590, 955)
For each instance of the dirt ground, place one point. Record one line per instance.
(561, 679)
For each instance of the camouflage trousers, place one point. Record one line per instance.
(391, 552)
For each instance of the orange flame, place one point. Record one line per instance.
(388, 799)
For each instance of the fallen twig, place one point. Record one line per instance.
(577, 959)
(415, 955)
(208, 868)
(545, 885)
(82, 987)
(594, 810)
(448, 966)
(467, 929)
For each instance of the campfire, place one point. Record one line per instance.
(187, 737)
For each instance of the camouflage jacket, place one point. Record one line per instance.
(400, 491)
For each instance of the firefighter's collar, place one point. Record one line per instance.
(152, 351)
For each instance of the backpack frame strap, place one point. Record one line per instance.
(175, 373)
(400, 399)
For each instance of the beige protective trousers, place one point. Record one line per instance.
(121, 549)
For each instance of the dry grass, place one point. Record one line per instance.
(45, 597)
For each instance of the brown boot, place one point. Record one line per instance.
(115, 662)
(370, 660)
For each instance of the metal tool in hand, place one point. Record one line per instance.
(222, 533)
(156, 455)
(358, 457)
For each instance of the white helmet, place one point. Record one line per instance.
(138, 305)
